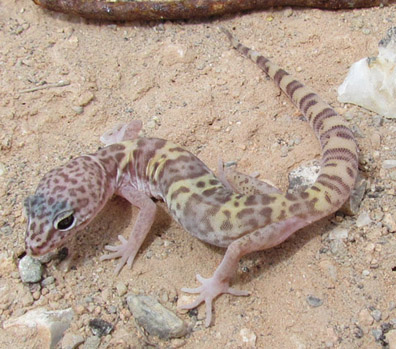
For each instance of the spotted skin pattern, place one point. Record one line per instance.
(234, 210)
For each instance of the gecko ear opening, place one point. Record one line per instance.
(65, 221)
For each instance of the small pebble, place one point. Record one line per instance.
(155, 318)
(121, 288)
(378, 335)
(100, 327)
(48, 281)
(357, 132)
(36, 295)
(389, 222)
(85, 99)
(376, 314)
(314, 301)
(338, 233)
(349, 115)
(151, 124)
(363, 219)
(80, 309)
(358, 332)
(366, 31)
(378, 120)
(375, 139)
(389, 164)
(112, 309)
(26, 300)
(392, 306)
(2, 169)
(78, 109)
(247, 338)
(288, 12)
(386, 327)
(284, 151)
(365, 318)
(338, 248)
(30, 269)
(6, 230)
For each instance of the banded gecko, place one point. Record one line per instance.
(234, 210)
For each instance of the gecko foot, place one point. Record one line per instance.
(126, 251)
(208, 291)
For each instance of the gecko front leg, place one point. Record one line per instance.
(128, 249)
(258, 240)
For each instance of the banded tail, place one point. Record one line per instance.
(339, 165)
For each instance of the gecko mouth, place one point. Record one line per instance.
(38, 250)
(34, 252)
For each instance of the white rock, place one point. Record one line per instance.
(176, 54)
(389, 164)
(338, 233)
(371, 82)
(248, 338)
(363, 219)
(304, 175)
(50, 325)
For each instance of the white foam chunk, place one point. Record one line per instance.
(371, 82)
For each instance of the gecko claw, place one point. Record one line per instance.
(125, 251)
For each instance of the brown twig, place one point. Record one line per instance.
(116, 10)
(60, 83)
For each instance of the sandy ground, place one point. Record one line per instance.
(186, 84)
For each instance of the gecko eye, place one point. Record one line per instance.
(65, 221)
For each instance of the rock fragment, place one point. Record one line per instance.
(50, 325)
(154, 318)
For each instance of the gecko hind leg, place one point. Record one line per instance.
(218, 284)
(122, 132)
(243, 183)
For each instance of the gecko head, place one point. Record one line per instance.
(49, 225)
(66, 200)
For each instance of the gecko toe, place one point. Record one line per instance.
(111, 248)
(192, 290)
(194, 304)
